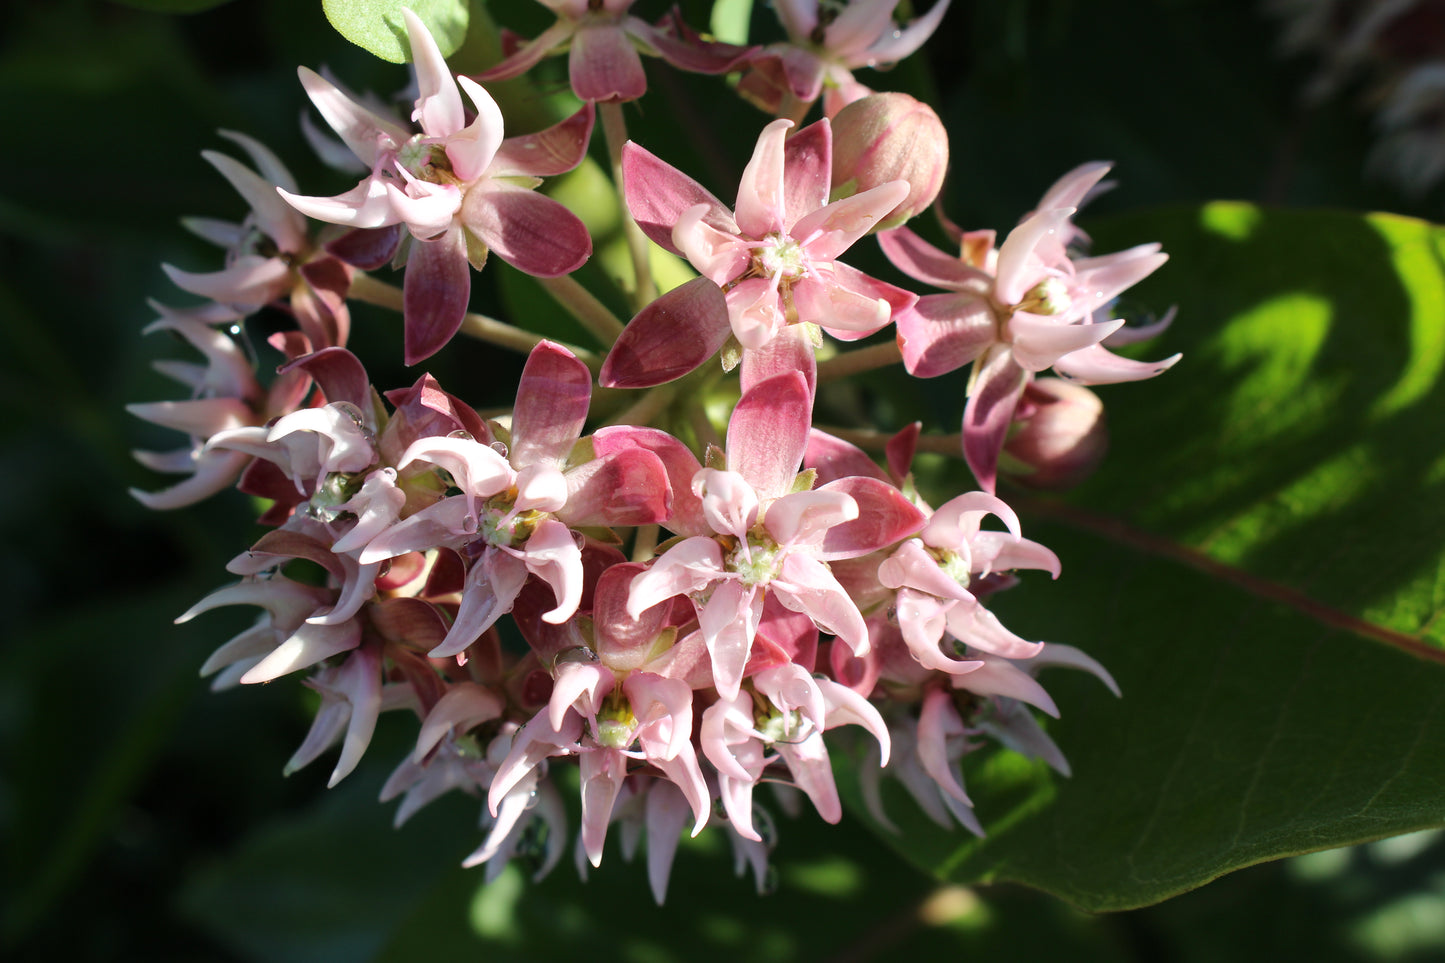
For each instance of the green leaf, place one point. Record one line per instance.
(1259, 563)
(377, 26)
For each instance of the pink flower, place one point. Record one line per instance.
(826, 42)
(774, 258)
(1016, 311)
(459, 188)
(604, 40)
(757, 533)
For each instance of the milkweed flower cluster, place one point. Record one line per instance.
(702, 603)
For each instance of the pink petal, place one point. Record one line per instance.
(768, 434)
(627, 487)
(1066, 655)
(894, 45)
(939, 720)
(466, 704)
(338, 373)
(689, 54)
(1097, 365)
(858, 24)
(729, 622)
(657, 194)
(438, 106)
(1018, 266)
(602, 773)
(666, 814)
(276, 219)
(979, 628)
(1039, 342)
(922, 261)
(552, 399)
(670, 337)
(1000, 677)
(717, 255)
(791, 349)
(603, 64)
(828, 232)
(813, 772)
(846, 303)
(761, 199)
(366, 205)
(530, 54)
(549, 152)
(492, 586)
(435, 292)
(677, 460)
(885, 517)
(988, 414)
(804, 518)
(847, 707)
(729, 503)
(531, 232)
(251, 280)
(805, 585)
(1075, 187)
(807, 174)
(552, 555)
(688, 567)
(367, 248)
(833, 458)
(944, 332)
(304, 648)
(622, 641)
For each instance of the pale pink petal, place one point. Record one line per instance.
(212, 471)
(978, 628)
(729, 503)
(1067, 655)
(717, 255)
(304, 648)
(473, 148)
(850, 313)
(1130, 334)
(893, 45)
(552, 555)
(360, 680)
(627, 487)
(531, 232)
(1000, 677)
(465, 704)
(805, 518)
(603, 65)
(847, 707)
(813, 772)
(204, 418)
(755, 312)
(276, 219)
(1075, 187)
(251, 280)
(366, 205)
(858, 24)
(729, 623)
(1097, 365)
(807, 174)
(805, 585)
(829, 231)
(1000, 552)
(1039, 342)
(956, 520)
(426, 209)
(761, 201)
(579, 687)
(438, 106)
(366, 133)
(768, 434)
(939, 720)
(666, 814)
(1018, 265)
(670, 337)
(491, 588)
(657, 699)
(267, 163)
(688, 567)
(530, 745)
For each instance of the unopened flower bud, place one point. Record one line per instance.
(887, 137)
(1059, 436)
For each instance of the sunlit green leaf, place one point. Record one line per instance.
(377, 26)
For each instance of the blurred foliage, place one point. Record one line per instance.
(146, 817)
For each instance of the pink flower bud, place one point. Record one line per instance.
(886, 137)
(1059, 436)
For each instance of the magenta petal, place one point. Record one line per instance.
(658, 193)
(670, 337)
(435, 292)
(885, 516)
(549, 152)
(789, 350)
(622, 642)
(603, 64)
(833, 458)
(807, 172)
(922, 261)
(338, 373)
(531, 232)
(552, 399)
(988, 414)
(530, 54)
(760, 201)
(768, 434)
(627, 487)
(677, 460)
(688, 53)
(944, 332)
(367, 248)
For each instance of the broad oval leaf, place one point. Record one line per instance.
(377, 25)
(1259, 565)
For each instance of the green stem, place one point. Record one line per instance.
(583, 305)
(368, 289)
(861, 359)
(794, 109)
(644, 545)
(614, 130)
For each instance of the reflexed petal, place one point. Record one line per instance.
(1000, 677)
(252, 281)
(885, 517)
(805, 585)
(677, 460)
(276, 219)
(988, 414)
(978, 628)
(829, 231)
(922, 261)
(670, 337)
(435, 292)
(939, 720)
(1039, 342)
(529, 231)
(768, 434)
(552, 399)
(666, 814)
(833, 458)
(308, 645)
(893, 45)
(267, 163)
(552, 555)
(729, 622)
(812, 771)
(627, 487)
(466, 704)
(1018, 265)
(602, 772)
(530, 54)
(858, 24)
(556, 150)
(472, 149)
(944, 332)
(657, 193)
(603, 64)
(492, 587)
(688, 567)
(365, 205)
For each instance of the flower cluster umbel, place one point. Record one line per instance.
(703, 598)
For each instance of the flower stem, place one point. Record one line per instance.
(644, 545)
(614, 130)
(862, 359)
(793, 108)
(870, 440)
(369, 290)
(583, 305)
